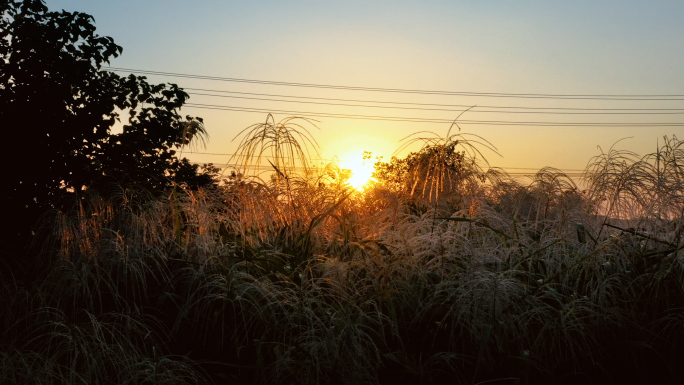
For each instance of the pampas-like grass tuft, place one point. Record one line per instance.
(297, 279)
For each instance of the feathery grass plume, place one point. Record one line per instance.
(665, 176)
(624, 185)
(287, 144)
(614, 187)
(438, 167)
(547, 209)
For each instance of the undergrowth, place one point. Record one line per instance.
(299, 279)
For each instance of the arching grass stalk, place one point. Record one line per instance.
(624, 185)
(439, 167)
(287, 145)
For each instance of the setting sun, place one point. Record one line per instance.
(358, 152)
(361, 168)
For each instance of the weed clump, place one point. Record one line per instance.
(298, 279)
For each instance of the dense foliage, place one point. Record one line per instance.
(304, 282)
(58, 109)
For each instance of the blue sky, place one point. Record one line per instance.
(578, 47)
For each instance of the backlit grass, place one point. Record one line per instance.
(462, 275)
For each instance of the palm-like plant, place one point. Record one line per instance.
(286, 145)
(439, 166)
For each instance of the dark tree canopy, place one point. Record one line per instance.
(58, 107)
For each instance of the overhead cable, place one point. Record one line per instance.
(428, 104)
(440, 121)
(475, 108)
(642, 97)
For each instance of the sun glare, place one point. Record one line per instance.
(357, 152)
(361, 171)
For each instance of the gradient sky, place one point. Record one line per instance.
(569, 47)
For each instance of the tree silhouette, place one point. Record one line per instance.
(58, 107)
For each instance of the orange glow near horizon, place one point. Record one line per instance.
(358, 153)
(361, 171)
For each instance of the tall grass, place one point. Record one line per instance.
(297, 279)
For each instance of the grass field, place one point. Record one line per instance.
(444, 273)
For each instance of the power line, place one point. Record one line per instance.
(637, 97)
(429, 104)
(428, 120)
(472, 108)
